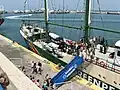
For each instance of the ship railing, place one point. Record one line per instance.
(105, 64)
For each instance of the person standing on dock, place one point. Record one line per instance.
(34, 69)
(47, 77)
(32, 64)
(39, 66)
(44, 86)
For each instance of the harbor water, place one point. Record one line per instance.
(11, 26)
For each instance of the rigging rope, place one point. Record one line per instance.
(53, 8)
(92, 31)
(100, 12)
(63, 16)
(51, 4)
(104, 34)
(76, 13)
(25, 3)
(28, 5)
(42, 3)
(79, 32)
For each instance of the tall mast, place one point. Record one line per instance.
(46, 13)
(46, 19)
(87, 20)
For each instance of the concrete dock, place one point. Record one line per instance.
(20, 56)
(18, 80)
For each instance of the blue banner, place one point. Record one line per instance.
(65, 73)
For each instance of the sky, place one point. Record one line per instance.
(68, 4)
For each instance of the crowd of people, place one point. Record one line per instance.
(87, 50)
(74, 48)
(80, 47)
(36, 69)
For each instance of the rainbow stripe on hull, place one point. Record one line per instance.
(44, 53)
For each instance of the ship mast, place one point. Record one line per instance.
(87, 20)
(46, 17)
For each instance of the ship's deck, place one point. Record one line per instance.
(18, 55)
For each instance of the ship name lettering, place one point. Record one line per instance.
(95, 81)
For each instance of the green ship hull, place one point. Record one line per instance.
(44, 53)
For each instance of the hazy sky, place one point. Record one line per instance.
(70, 4)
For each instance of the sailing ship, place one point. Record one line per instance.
(103, 69)
(1, 15)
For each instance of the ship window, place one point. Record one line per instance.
(118, 53)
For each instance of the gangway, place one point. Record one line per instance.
(65, 73)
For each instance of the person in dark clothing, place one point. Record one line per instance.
(102, 41)
(101, 49)
(104, 46)
(61, 45)
(23, 68)
(48, 81)
(40, 70)
(34, 65)
(39, 64)
(34, 69)
(99, 39)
